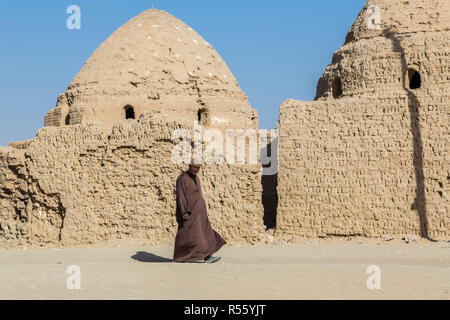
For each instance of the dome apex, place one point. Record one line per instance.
(401, 17)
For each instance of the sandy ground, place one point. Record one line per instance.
(320, 269)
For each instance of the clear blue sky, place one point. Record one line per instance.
(276, 49)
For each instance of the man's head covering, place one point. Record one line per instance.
(194, 164)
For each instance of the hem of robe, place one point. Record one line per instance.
(201, 257)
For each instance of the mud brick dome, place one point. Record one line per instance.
(370, 157)
(153, 62)
(101, 169)
(369, 62)
(403, 17)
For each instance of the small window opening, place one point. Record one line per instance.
(415, 81)
(337, 88)
(203, 116)
(129, 112)
(67, 120)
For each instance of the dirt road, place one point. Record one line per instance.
(320, 269)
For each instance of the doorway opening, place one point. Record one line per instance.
(337, 88)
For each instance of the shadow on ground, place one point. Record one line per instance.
(143, 256)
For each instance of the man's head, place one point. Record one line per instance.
(194, 168)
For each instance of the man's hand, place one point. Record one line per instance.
(186, 216)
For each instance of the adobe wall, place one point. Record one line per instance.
(370, 157)
(79, 185)
(351, 166)
(13, 193)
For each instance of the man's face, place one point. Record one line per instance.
(194, 169)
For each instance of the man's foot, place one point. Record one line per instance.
(211, 259)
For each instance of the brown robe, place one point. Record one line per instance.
(195, 238)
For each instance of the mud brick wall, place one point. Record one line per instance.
(78, 185)
(350, 167)
(370, 156)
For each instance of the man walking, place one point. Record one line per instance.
(196, 240)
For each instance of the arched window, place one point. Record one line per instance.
(129, 112)
(415, 81)
(337, 88)
(67, 120)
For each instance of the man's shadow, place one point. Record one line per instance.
(143, 256)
